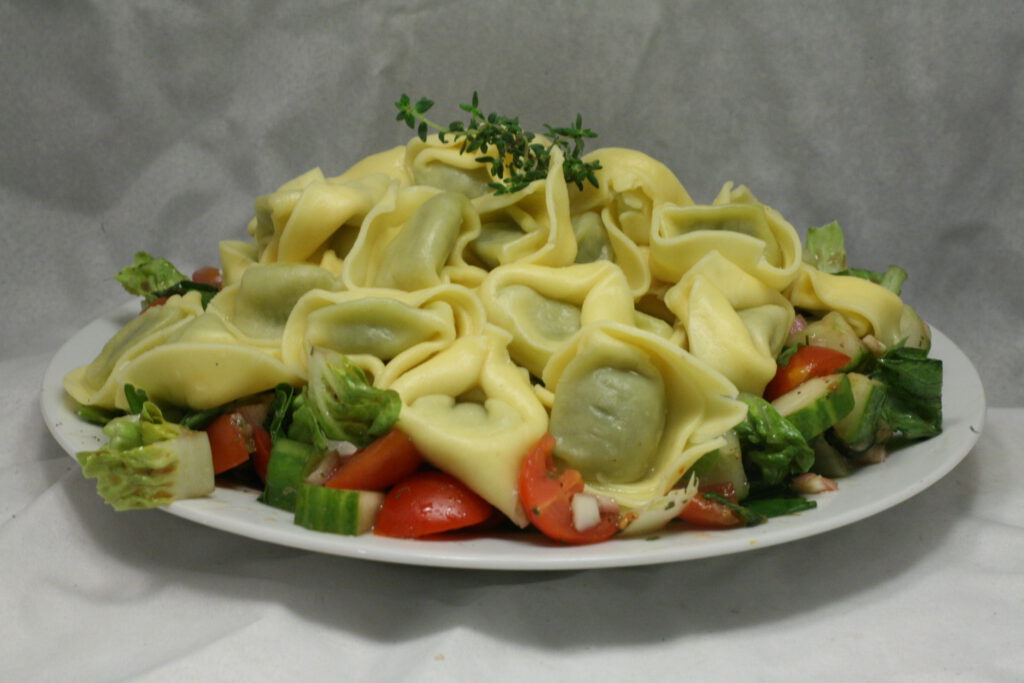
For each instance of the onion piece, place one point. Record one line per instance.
(586, 511)
(340, 450)
(811, 483)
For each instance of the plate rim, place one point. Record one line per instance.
(237, 512)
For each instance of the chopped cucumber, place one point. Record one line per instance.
(290, 462)
(915, 332)
(817, 404)
(723, 464)
(857, 430)
(337, 511)
(828, 460)
(833, 332)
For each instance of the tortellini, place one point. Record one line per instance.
(542, 306)
(413, 239)
(733, 321)
(631, 187)
(442, 165)
(98, 382)
(868, 307)
(533, 225)
(384, 331)
(623, 318)
(753, 236)
(472, 413)
(632, 411)
(260, 304)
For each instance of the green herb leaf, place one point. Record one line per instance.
(136, 399)
(772, 447)
(777, 507)
(519, 161)
(913, 407)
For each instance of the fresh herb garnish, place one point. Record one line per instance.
(136, 398)
(516, 152)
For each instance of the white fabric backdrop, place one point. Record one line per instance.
(152, 126)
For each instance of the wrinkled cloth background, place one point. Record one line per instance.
(153, 125)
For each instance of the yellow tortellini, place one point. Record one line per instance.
(384, 331)
(753, 236)
(413, 239)
(259, 305)
(868, 307)
(442, 165)
(624, 318)
(98, 382)
(733, 321)
(631, 187)
(472, 413)
(543, 306)
(533, 225)
(633, 411)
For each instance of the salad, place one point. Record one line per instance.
(488, 329)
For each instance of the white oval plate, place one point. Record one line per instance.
(866, 493)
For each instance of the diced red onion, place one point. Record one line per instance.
(811, 483)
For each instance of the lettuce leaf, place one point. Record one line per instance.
(913, 407)
(148, 276)
(825, 249)
(340, 404)
(773, 449)
(155, 278)
(149, 462)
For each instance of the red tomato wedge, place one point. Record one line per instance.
(428, 503)
(260, 456)
(207, 275)
(379, 466)
(807, 363)
(546, 495)
(709, 513)
(229, 436)
(154, 303)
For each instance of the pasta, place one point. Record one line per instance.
(624, 318)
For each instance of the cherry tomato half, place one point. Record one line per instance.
(807, 363)
(710, 513)
(546, 495)
(229, 441)
(207, 275)
(428, 503)
(379, 466)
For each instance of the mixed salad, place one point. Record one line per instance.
(464, 335)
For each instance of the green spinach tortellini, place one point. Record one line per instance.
(632, 411)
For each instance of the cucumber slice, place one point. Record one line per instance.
(857, 430)
(915, 332)
(723, 464)
(337, 511)
(817, 404)
(828, 460)
(834, 332)
(290, 462)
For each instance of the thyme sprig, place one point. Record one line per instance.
(518, 157)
